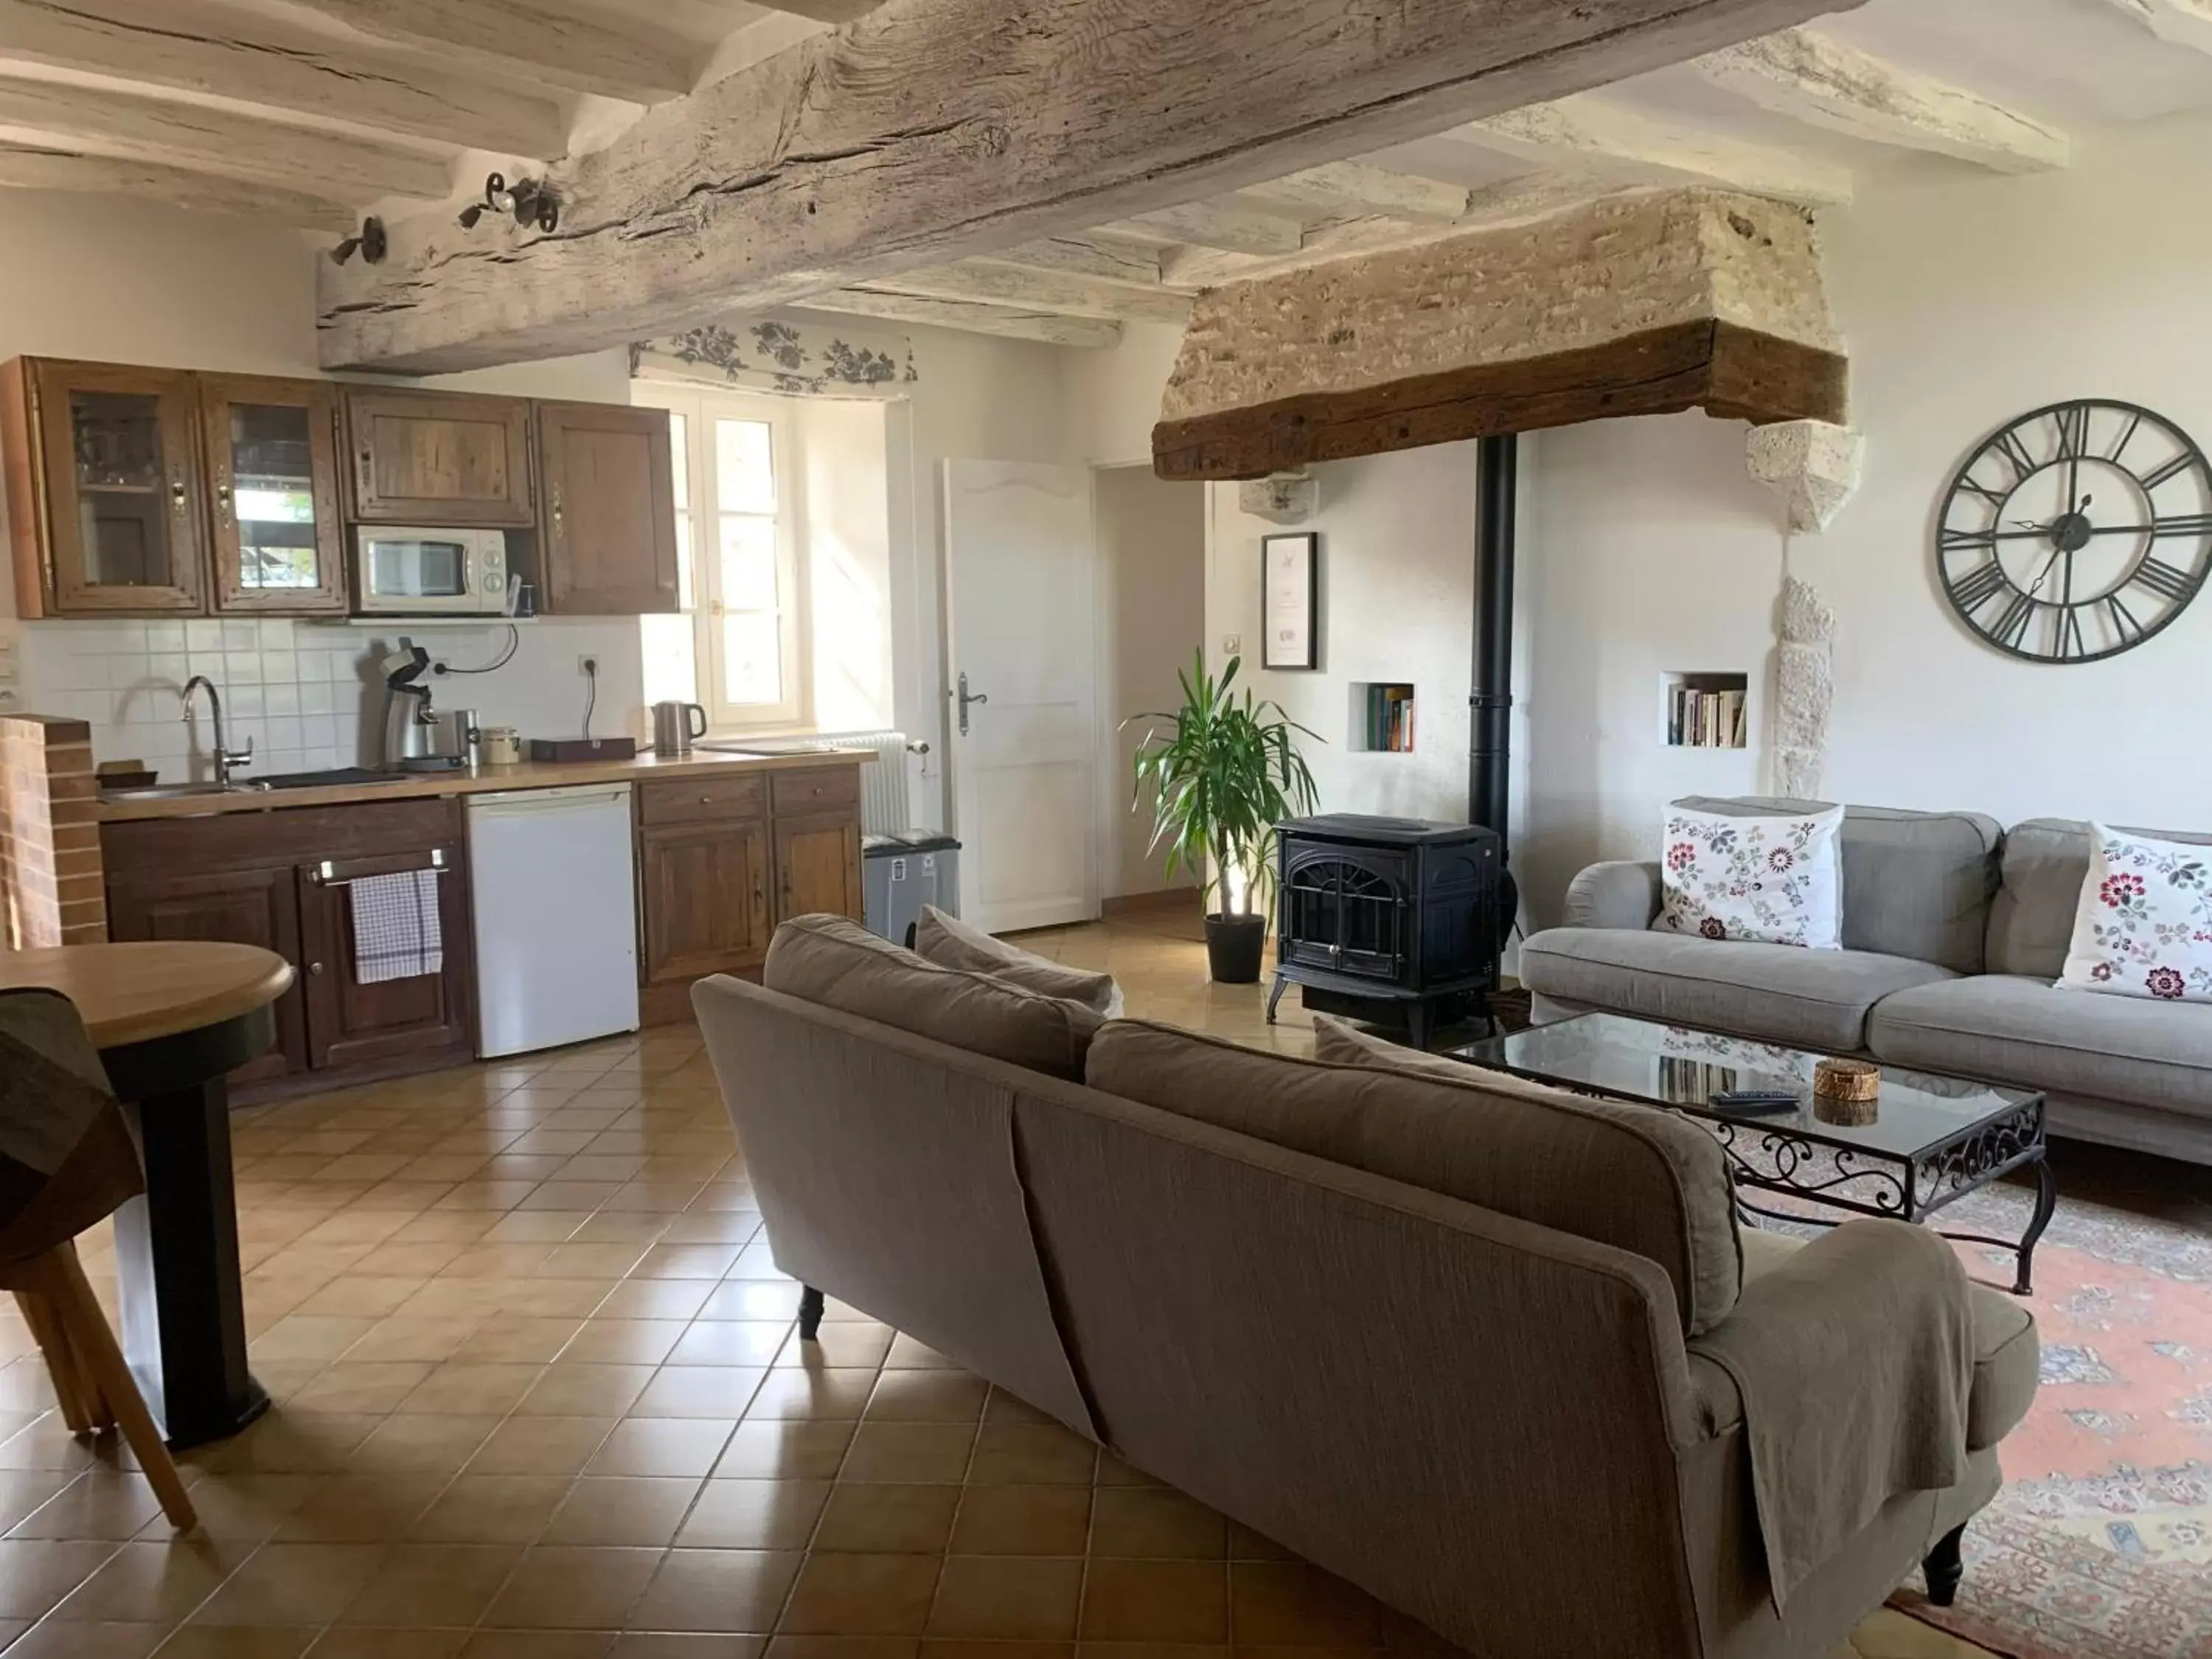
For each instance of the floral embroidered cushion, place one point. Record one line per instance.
(1769, 880)
(2145, 925)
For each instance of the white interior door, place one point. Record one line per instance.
(1021, 601)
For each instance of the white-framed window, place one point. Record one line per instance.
(739, 576)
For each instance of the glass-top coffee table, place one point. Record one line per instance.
(1933, 1140)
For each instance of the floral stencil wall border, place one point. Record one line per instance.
(772, 355)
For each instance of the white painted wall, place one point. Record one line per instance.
(1151, 621)
(1965, 301)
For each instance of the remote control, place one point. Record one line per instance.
(1756, 1100)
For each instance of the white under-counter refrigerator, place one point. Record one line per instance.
(553, 896)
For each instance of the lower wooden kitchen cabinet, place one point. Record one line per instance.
(284, 880)
(721, 861)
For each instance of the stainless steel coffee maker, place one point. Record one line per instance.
(672, 731)
(416, 739)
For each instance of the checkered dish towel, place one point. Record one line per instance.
(395, 927)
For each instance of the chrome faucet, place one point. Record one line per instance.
(225, 756)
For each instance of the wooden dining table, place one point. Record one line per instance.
(172, 1019)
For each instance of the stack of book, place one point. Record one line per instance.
(1390, 718)
(1707, 719)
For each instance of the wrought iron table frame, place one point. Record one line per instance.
(1797, 1160)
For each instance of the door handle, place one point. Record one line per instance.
(968, 697)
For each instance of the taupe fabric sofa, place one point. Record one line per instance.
(1509, 1419)
(1954, 934)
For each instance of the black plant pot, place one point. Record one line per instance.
(1233, 946)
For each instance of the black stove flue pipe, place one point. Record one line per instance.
(1490, 736)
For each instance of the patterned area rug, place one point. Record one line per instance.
(2100, 1546)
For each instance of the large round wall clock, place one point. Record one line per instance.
(2077, 531)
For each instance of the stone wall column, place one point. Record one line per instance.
(52, 890)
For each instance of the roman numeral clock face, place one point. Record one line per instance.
(2077, 531)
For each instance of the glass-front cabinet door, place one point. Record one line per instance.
(272, 474)
(124, 506)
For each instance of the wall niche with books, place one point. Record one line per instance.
(1705, 711)
(1381, 717)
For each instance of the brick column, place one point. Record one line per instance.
(52, 888)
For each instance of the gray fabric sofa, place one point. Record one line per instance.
(1279, 1295)
(1954, 934)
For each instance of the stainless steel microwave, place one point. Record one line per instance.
(411, 571)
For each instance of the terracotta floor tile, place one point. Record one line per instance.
(461, 1388)
(731, 1342)
(624, 1341)
(757, 1299)
(99, 1504)
(908, 1451)
(843, 1647)
(1028, 1454)
(886, 1518)
(361, 1508)
(657, 1298)
(1029, 1597)
(733, 1590)
(54, 1639)
(823, 1392)
(542, 1445)
(663, 1445)
(905, 1354)
(360, 1641)
(518, 1339)
(712, 1391)
(291, 1584)
(1156, 1522)
(682, 1645)
(941, 1647)
(1003, 1408)
(432, 1584)
(152, 1583)
(927, 1396)
(640, 1510)
(492, 1508)
(754, 1515)
(1023, 1521)
(376, 1386)
(788, 1448)
(423, 1444)
(221, 1642)
(1156, 1602)
(412, 1337)
(581, 1389)
(538, 1644)
(862, 1596)
(566, 1588)
(1289, 1601)
(36, 1574)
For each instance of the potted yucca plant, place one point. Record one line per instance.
(1218, 776)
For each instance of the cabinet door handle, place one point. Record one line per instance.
(316, 969)
(366, 475)
(222, 500)
(556, 509)
(177, 492)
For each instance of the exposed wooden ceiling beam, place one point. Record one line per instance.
(1232, 226)
(1339, 190)
(564, 48)
(1097, 255)
(2183, 22)
(1821, 81)
(197, 47)
(1037, 291)
(878, 147)
(1628, 145)
(1010, 321)
(331, 164)
(29, 169)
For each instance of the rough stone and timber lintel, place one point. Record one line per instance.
(1643, 305)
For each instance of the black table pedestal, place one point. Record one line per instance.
(176, 1244)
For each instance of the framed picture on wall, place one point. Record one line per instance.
(1289, 586)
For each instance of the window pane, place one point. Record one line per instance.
(748, 562)
(745, 467)
(679, 457)
(687, 592)
(753, 657)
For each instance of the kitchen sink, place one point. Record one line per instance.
(335, 777)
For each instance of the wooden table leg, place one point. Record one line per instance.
(176, 1268)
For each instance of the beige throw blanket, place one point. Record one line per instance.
(1855, 1359)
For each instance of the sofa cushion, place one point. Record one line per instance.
(2144, 928)
(2010, 1029)
(1808, 998)
(1772, 880)
(2007, 1363)
(1641, 1179)
(1915, 884)
(951, 943)
(2031, 919)
(835, 962)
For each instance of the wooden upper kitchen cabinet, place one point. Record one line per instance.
(438, 458)
(272, 459)
(608, 509)
(103, 478)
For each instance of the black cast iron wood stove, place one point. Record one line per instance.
(1386, 920)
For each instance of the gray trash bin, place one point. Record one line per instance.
(902, 872)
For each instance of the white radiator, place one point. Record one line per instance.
(886, 808)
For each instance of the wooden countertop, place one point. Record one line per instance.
(133, 992)
(529, 775)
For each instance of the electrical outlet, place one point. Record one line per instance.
(589, 666)
(1232, 645)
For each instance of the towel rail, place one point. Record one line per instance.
(343, 872)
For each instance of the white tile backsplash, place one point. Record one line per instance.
(307, 694)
